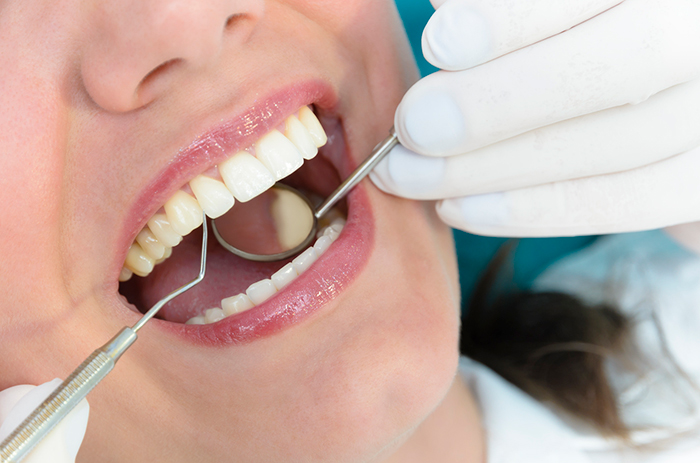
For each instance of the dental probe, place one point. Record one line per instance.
(93, 370)
(380, 151)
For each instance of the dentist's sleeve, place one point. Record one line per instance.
(63, 442)
(554, 117)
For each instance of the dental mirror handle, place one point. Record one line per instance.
(379, 152)
(84, 378)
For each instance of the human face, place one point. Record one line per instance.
(110, 108)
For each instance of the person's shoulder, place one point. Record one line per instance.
(520, 429)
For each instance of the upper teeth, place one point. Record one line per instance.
(242, 177)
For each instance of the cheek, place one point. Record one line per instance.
(33, 138)
(32, 144)
(31, 141)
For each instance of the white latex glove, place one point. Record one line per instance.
(63, 442)
(555, 117)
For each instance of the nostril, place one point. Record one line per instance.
(159, 71)
(232, 20)
(238, 27)
(148, 87)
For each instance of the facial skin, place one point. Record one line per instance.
(98, 98)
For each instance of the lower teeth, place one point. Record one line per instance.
(260, 291)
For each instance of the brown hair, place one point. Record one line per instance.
(550, 345)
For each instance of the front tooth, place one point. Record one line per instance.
(214, 315)
(168, 252)
(304, 260)
(212, 195)
(322, 244)
(298, 134)
(261, 291)
(183, 212)
(331, 233)
(338, 224)
(198, 320)
(330, 217)
(236, 304)
(278, 154)
(161, 228)
(149, 243)
(308, 118)
(138, 261)
(284, 276)
(245, 176)
(125, 274)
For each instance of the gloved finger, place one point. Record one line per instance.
(623, 56)
(405, 173)
(608, 141)
(654, 196)
(63, 442)
(465, 33)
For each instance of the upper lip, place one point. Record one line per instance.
(215, 145)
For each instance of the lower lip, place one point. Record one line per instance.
(313, 290)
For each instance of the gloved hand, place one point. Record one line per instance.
(63, 442)
(554, 117)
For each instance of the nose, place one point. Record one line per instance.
(136, 48)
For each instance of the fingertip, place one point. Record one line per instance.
(486, 209)
(408, 174)
(415, 173)
(480, 214)
(429, 120)
(457, 37)
(381, 179)
(449, 212)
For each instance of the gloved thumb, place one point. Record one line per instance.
(63, 442)
(410, 175)
(432, 119)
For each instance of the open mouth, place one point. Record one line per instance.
(239, 299)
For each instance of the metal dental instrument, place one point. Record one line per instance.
(307, 213)
(93, 370)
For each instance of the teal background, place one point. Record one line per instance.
(532, 255)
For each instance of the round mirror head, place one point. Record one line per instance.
(272, 226)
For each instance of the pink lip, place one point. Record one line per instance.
(328, 276)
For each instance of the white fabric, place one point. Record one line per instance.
(574, 116)
(656, 283)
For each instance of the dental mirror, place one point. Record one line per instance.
(282, 221)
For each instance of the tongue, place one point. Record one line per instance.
(226, 275)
